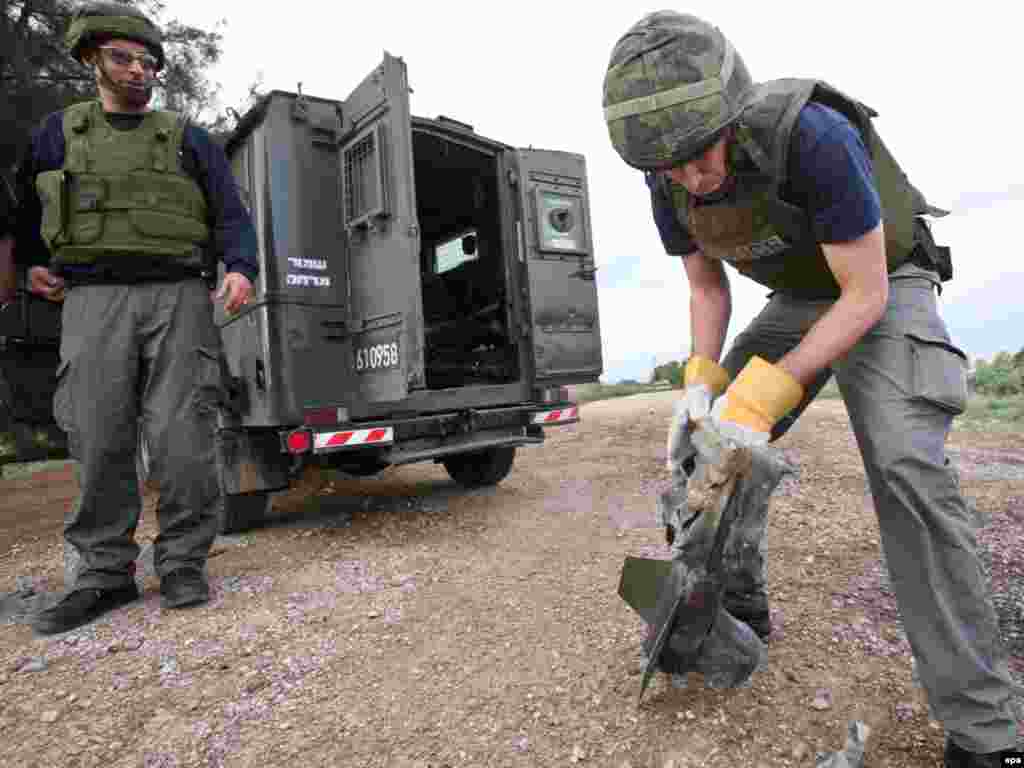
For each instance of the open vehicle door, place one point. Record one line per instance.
(382, 236)
(556, 247)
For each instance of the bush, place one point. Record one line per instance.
(1000, 378)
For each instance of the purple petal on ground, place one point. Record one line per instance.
(159, 760)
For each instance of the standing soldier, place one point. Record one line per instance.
(122, 207)
(788, 182)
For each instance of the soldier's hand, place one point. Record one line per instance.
(42, 282)
(761, 395)
(704, 380)
(235, 290)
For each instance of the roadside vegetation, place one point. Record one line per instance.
(996, 402)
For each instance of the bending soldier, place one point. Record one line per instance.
(787, 182)
(121, 208)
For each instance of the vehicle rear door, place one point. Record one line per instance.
(382, 236)
(556, 251)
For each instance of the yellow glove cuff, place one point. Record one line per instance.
(761, 395)
(703, 370)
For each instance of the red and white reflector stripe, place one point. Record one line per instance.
(354, 437)
(560, 416)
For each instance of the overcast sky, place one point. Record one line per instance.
(944, 79)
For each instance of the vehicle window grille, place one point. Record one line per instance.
(364, 193)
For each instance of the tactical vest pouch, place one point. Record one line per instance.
(89, 195)
(52, 190)
(167, 226)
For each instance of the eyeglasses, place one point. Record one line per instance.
(123, 58)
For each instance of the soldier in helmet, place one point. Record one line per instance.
(788, 183)
(123, 211)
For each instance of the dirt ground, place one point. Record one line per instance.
(441, 627)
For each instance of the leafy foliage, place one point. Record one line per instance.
(671, 372)
(1002, 376)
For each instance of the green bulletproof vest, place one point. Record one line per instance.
(122, 198)
(770, 240)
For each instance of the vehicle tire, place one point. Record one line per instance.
(480, 468)
(361, 469)
(243, 511)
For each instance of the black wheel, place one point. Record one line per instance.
(361, 468)
(480, 468)
(243, 511)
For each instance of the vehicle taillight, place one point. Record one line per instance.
(299, 441)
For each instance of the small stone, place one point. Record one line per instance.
(50, 716)
(33, 665)
(373, 614)
(255, 683)
(792, 676)
(822, 699)
(578, 755)
(801, 750)
(3, 679)
(72, 698)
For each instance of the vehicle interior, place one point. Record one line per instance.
(466, 317)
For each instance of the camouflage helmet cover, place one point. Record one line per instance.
(673, 83)
(92, 23)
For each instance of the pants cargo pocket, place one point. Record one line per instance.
(63, 407)
(939, 373)
(209, 390)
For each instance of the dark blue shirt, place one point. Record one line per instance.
(830, 178)
(233, 238)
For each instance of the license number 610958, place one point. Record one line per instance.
(377, 357)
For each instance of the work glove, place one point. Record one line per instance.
(703, 379)
(761, 395)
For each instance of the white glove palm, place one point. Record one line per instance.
(693, 405)
(738, 433)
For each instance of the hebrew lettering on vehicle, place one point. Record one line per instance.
(319, 265)
(305, 281)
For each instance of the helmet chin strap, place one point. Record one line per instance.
(133, 97)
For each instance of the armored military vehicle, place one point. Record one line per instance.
(425, 294)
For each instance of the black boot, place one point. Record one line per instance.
(958, 757)
(80, 606)
(183, 587)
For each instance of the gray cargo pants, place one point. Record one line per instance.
(902, 385)
(139, 356)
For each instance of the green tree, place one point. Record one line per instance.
(671, 371)
(1000, 377)
(38, 77)
(1018, 359)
